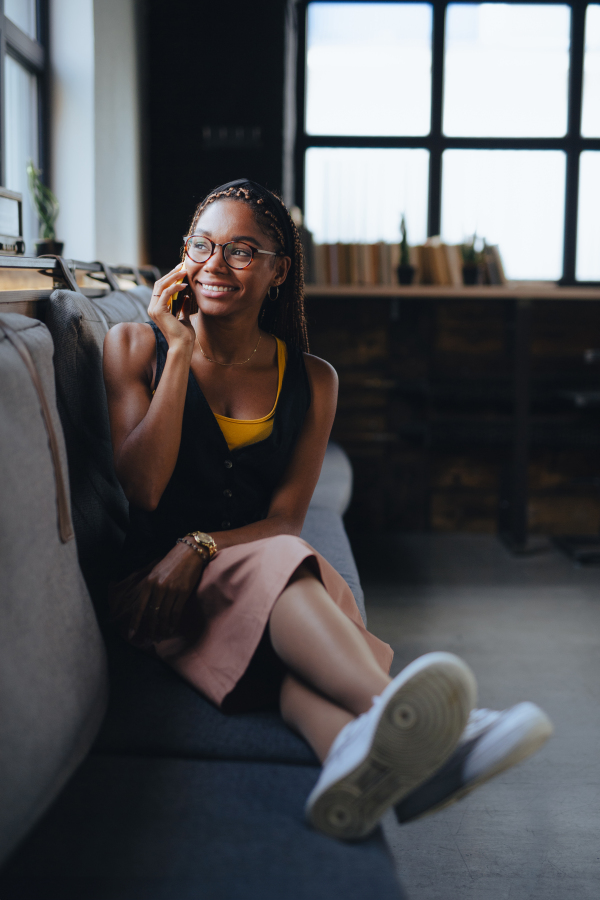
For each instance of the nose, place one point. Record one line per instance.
(217, 260)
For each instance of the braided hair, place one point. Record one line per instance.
(284, 317)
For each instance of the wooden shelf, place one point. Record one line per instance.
(517, 290)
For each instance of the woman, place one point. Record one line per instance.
(220, 419)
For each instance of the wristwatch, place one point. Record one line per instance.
(206, 541)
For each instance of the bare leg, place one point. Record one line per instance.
(323, 647)
(315, 717)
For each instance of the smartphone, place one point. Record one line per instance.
(177, 299)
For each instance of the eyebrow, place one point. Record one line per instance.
(236, 237)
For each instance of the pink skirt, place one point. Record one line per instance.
(236, 593)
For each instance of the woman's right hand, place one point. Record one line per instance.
(178, 331)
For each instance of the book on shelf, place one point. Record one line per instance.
(369, 264)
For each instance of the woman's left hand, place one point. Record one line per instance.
(162, 595)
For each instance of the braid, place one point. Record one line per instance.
(285, 317)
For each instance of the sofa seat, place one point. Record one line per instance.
(172, 829)
(154, 712)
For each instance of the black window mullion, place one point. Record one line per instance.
(43, 26)
(576, 61)
(434, 144)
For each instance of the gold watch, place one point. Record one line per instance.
(204, 540)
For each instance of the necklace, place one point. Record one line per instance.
(227, 364)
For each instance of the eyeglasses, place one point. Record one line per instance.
(237, 254)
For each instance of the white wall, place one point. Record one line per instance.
(118, 182)
(73, 125)
(95, 144)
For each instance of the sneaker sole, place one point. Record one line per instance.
(418, 729)
(533, 741)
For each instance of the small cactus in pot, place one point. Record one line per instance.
(406, 272)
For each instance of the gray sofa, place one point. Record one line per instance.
(119, 781)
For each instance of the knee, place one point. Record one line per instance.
(304, 570)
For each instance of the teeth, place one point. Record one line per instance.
(218, 289)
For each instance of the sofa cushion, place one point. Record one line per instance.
(153, 712)
(124, 306)
(52, 664)
(324, 530)
(159, 829)
(334, 487)
(78, 326)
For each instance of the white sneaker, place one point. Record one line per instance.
(381, 756)
(492, 742)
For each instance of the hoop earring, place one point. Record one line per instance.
(272, 299)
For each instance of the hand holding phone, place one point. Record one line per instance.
(176, 302)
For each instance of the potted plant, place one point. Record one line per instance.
(472, 262)
(406, 272)
(46, 207)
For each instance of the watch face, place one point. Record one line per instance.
(206, 541)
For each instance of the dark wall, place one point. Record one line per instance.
(208, 65)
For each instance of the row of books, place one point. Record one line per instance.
(434, 263)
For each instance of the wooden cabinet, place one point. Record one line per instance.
(466, 409)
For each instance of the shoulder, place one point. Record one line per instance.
(129, 338)
(321, 375)
(129, 345)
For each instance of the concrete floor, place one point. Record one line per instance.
(530, 629)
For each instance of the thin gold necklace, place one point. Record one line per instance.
(227, 364)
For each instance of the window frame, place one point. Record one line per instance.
(436, 142)
(32, 55)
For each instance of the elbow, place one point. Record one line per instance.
(144, 499)
(142, 496)
(146, 502)
(142, 491)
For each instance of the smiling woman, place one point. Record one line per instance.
(220, 419)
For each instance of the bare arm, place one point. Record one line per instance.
(146, 430)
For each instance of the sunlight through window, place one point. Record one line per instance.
(506, 70)
(513, 198)
(368, 68)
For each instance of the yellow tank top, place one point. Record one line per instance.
(241, 432)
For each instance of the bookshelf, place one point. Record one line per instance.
(441, 380)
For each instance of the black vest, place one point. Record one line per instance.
(213, 488)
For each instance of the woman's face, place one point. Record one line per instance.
(221, 290)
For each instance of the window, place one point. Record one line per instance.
(22, 69)
(465, 116)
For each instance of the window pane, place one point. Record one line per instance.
(506, 70)
(22, 13)
(21, 138)
(513, 198)
(368, 68)
(588, 226)
(590, 117)
(357, 196)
